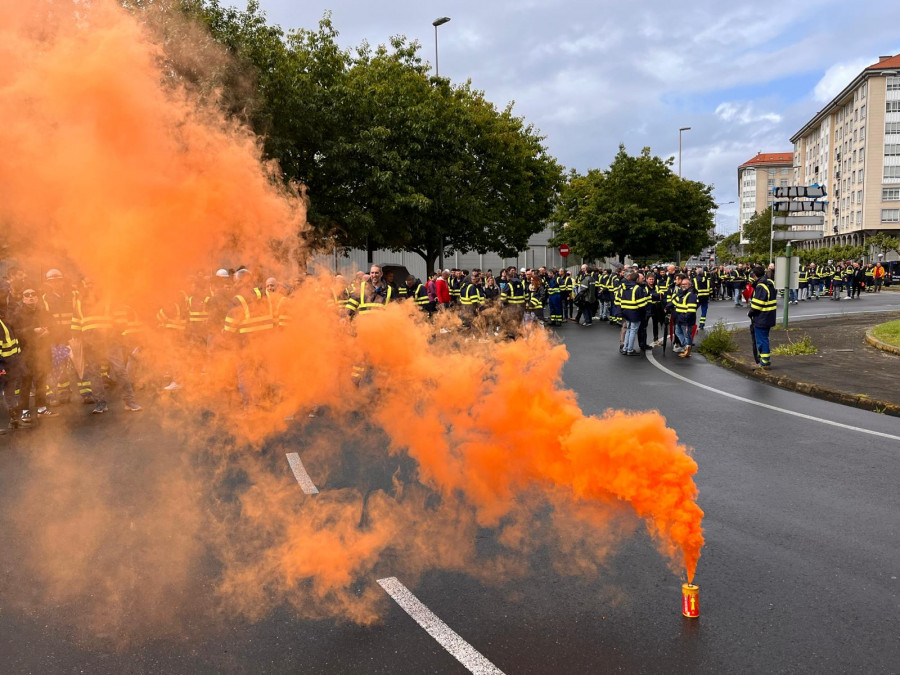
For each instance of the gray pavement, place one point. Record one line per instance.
(800, 573)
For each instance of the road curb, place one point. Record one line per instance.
(816, 391)
(878, 344)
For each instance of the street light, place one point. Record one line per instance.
(436, 23)
(682, 129)
(437, 73)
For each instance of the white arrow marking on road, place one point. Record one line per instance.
(461, 650)
(300, 474)
(770, 407)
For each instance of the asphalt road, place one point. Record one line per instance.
(800, 572)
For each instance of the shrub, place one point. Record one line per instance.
(718, 340)
(803, 346)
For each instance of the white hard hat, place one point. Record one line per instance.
(522, 269)
(222, 273)
(54, 274)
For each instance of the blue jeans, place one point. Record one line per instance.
(683, 332)
(762, 345)
(737, 295)
(631, 330)
(793, 295)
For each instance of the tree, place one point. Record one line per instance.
(883, 243)
(421, 163)
(729, 248)
(757, 231)
(387, 156)
(637, 207)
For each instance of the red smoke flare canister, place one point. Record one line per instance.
(690, 600)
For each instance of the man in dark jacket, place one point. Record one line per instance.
(33, 330)
(683, 306)
(633, 300)
(762, 315)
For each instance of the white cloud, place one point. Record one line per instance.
(744, 113)
(839, 76)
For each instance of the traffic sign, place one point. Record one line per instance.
(794, 191)
(797, 235)
(564, 251)
(797, 207)
(792, 221)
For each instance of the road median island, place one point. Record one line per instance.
(885, 337)
(846, 368)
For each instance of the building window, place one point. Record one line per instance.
(783, 182)
(862, 112)
(890, 215)
(893, 84)
(862, 156)
(892, 149)
(892, 106)
(890, 194)
(892, 174)
(862, 133)
(859, 218)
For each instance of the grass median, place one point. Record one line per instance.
(888, 332)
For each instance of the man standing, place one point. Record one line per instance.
(762, 315)
(634, 299)
(703, 286)
(371, 294)
(683, 305)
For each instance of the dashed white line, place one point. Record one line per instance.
(461, 650)
(300, 474)
(770, 407)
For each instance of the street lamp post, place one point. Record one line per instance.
(680, 131)
(437, 22)
(437, 73)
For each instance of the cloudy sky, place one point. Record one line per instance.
(591, 75)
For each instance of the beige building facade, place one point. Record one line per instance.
(852, 147)
(757, 177)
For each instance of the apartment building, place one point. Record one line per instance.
(757, 177)
(852, 147)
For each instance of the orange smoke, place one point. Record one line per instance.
(114, 170)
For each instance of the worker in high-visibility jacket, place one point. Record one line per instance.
(762, 312)
(683, 306)
(633, 298)
(703, 286)
(416, 292)
(59, 300)
(554, 300)
(103, 346)
(172, 320)
(372, 295)
(512, 301)
(10, 368)
(249, 324)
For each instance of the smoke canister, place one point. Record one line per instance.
(690, 600)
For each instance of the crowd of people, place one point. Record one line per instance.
(61, 341)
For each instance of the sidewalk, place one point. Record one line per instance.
(845, 370)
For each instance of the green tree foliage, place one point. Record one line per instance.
(758, 232)
(728, 249)
(882, 242)
(637, 207)
(387, 156)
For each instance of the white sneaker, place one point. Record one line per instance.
(677, 350)
(172, 386)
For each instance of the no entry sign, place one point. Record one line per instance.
(564, 251)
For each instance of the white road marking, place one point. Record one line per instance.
(461, 650)
(300, 474)
(770, 407)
